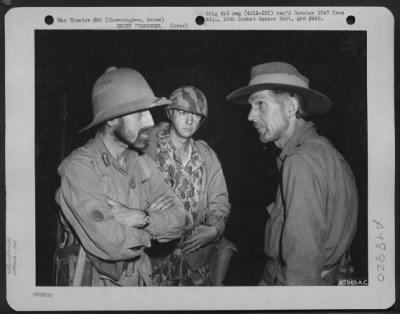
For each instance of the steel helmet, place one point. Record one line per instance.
(190, 99)
(121, 91)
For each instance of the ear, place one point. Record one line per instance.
(292, 104)
(112, 122)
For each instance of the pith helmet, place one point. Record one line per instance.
(190, 99)
(121, 91)
(284, 76)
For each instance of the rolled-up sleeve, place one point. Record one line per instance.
(84, 206)
(304, 224)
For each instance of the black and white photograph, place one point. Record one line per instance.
(227, 158)
(72, 65)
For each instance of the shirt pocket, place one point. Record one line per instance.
(117, 189)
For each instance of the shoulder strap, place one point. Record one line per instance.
(100, 166)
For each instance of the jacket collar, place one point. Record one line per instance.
(105, 155)
(297, 138)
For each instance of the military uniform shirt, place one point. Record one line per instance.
(321, 203)
(89, 176)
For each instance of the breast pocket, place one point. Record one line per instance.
(118, 189)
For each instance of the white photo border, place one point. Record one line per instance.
(22, 292)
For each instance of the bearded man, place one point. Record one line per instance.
(113, 200)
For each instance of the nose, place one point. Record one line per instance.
(252, 114)
(189, 119)
(147, 119)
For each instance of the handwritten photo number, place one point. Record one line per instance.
(199, 158)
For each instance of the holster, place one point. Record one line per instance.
(200, 257)
(203, 255)
(113, 270)
(195, 260)
(67, 256)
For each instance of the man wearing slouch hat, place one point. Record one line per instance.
(313, 219)
(113, 200)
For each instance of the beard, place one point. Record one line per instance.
(139, 141)
(142, 139)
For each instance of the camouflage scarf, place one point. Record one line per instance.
(185, 181)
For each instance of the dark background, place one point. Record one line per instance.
(217, 62)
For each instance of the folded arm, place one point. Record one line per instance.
(85, 207)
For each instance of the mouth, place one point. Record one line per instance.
(145, 132)
(144, 136)
(260, 128)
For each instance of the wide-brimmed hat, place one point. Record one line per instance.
(121, 91)
(282, 76)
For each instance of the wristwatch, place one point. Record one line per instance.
(146, 220)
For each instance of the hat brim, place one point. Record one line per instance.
(177, 107)
(125, 109)
(316, 102)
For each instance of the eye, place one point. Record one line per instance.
(259, 104)
(196, 117)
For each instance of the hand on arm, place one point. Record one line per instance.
(169, 219)
(133, 217)
(127, 216)
(85, 207)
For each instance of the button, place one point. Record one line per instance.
(97, 215)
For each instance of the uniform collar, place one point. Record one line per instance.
(106, 157)
(297, 139)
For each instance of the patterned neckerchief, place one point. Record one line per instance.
(185, 181)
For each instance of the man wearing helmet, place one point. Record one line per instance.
(194, 172)
(114, 201)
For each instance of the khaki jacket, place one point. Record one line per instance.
(89, 176)
(314, 218)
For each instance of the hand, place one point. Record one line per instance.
(201, 236)
(127, 216)
(162, 202)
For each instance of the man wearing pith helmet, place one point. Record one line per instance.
(194, 172)
(113, 200)
(313, 219)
